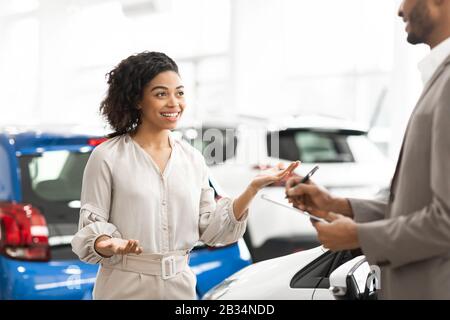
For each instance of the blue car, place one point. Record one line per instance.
(40, 184)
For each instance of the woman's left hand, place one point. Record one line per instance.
(272, 175)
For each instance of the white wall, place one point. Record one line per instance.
(257, 57)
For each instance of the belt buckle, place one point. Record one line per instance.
(168, 264)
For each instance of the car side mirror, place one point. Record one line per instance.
(354, 280)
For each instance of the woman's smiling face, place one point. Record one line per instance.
(163, 101)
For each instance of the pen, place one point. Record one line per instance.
(306, 178)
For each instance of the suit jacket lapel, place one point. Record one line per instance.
(425, 90)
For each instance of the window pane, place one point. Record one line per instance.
(313, 147)
(57, 175)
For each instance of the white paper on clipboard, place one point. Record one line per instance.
(278, 202)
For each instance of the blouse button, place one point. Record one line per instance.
(164, 202)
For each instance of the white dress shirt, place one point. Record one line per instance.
(431, 62)
(125, 195)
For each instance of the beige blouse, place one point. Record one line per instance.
(125, 195)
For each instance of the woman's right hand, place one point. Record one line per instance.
(107, 246)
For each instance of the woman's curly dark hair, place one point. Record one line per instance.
(126, 86)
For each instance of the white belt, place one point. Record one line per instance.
(166, 265)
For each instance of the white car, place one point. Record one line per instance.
(350, 165)
(315, 274)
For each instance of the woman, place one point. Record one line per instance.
(146, 198)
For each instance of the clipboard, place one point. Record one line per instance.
(268, 198)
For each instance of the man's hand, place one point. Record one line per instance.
(315, 199)
(340, 234)
(308, 196)
(107, 246)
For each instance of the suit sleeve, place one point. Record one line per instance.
(368, 210)
(423, 234)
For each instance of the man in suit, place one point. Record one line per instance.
(408, 235)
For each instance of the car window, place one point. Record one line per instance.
(51, 181)
(311, 146)
(5, 180)
(57, 175)
(312, 274)
(317, 273)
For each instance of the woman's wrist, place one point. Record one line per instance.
(241, 203)
(105, 251)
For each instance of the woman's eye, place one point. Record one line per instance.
(160, 94)
(181, 93)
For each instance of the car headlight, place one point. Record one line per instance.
(219, 290)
